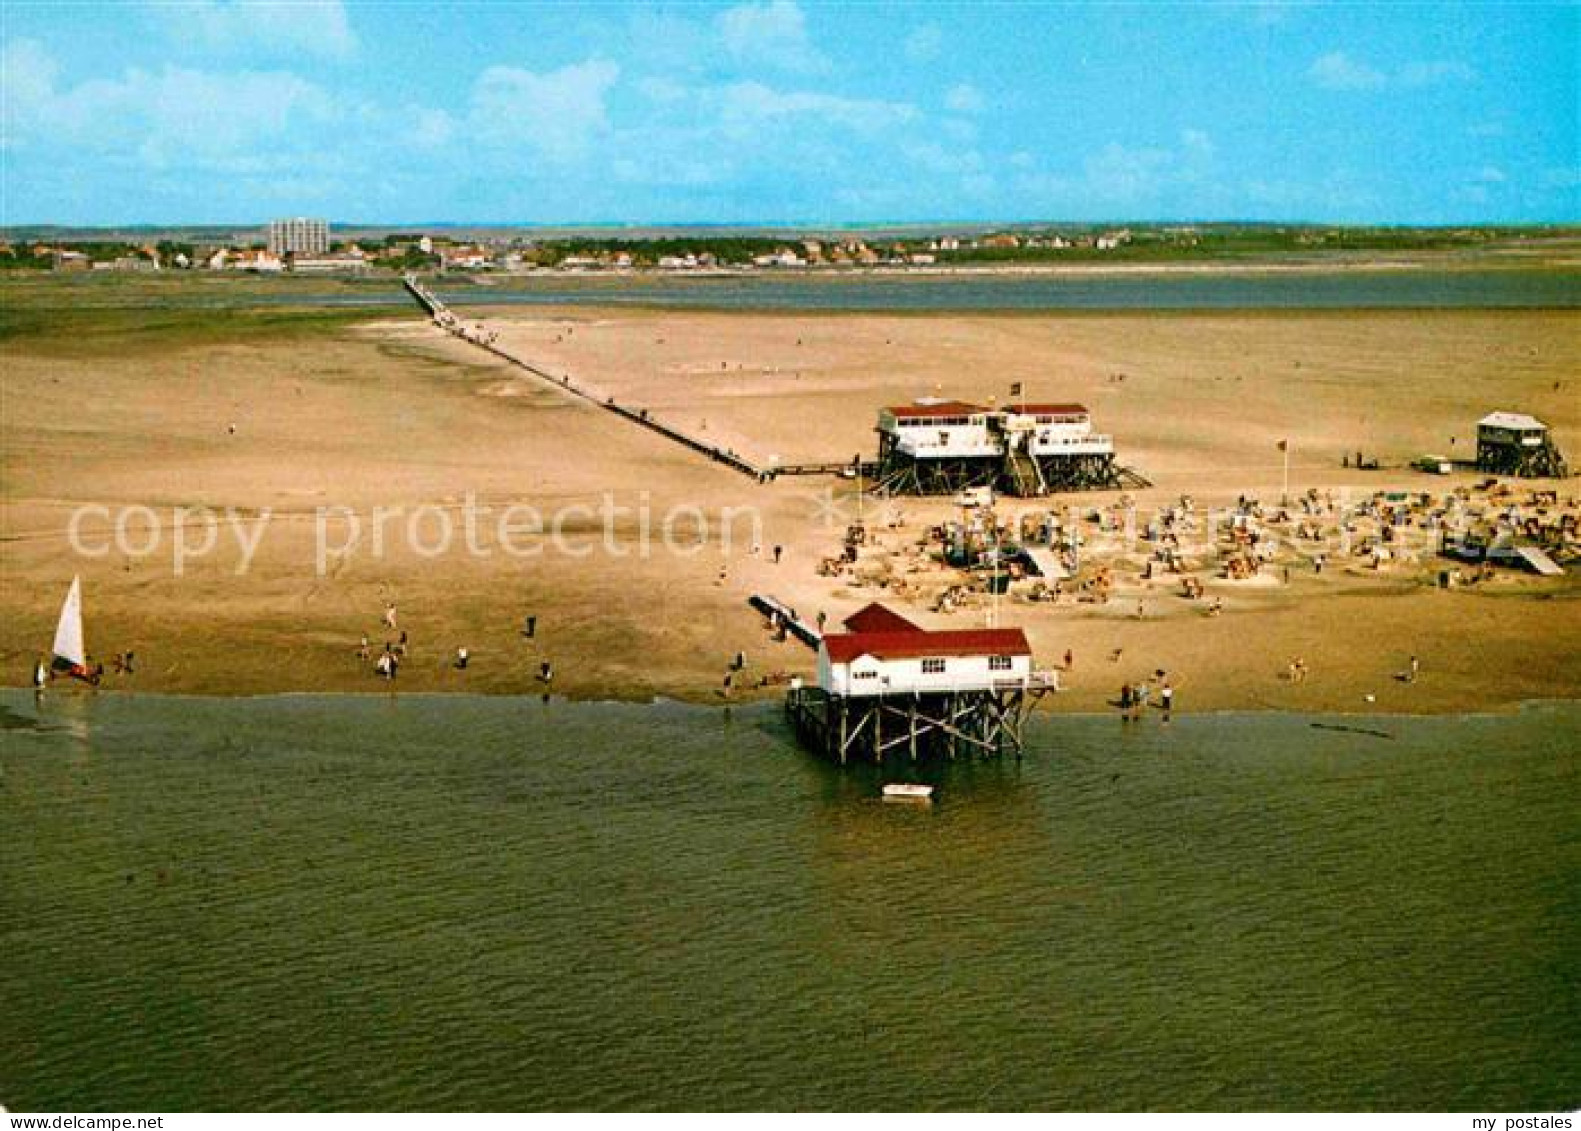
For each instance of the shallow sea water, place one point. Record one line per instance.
(434, 902)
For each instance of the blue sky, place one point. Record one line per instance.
(779, 111)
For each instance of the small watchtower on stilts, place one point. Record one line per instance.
(1512, 443)
(888, 688)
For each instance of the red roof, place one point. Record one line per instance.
(941, 408)
(847, 646)
(874, 617)
(1048, 409)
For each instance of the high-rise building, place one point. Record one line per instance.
(298, 236)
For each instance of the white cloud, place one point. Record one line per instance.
(558, 113)
(1337, 71)
(934, 158)
(959, 129)
(312, 27)
(964, 98)
(772, 33)
(27, 74)
(924, 44)
(432, 128)
(672, 169)
(1562, 178)
(1198, 145)
(1435, 73)
(1118, 173)
(745, 105)
(979, 184)
(1491, 175)
(161, 116)
(1118, 177)
(662, 90)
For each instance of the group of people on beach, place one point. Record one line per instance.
(1137, 697)
(388, 663)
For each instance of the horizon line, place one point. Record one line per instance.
(797, 225)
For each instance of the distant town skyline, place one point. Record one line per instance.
(779, 113)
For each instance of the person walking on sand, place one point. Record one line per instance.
(1125, 701)
(1416, 666)
(389, 615)
(400, 647)
(546, 672)
(40, 674)
(1070, 659)
(530, 627)
(1167, 695)
(461, 659)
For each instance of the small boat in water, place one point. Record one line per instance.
(907, 791)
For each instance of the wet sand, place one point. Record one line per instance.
(390, 413)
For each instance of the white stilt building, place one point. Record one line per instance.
(937, 447)
(885, 685)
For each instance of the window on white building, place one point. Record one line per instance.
(998, 663)
(933, 667)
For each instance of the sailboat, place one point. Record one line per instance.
(71, 656)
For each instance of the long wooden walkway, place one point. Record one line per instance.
(447, 321)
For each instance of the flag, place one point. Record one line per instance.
(1015, 388)
(1284, 445)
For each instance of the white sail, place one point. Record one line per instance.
(68, 633)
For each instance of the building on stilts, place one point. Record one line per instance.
(1513, 443)
(889, 689)
(940, 447)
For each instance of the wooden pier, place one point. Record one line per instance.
(447, 321)
(1019, 471)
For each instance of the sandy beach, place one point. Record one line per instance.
(323, 425)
